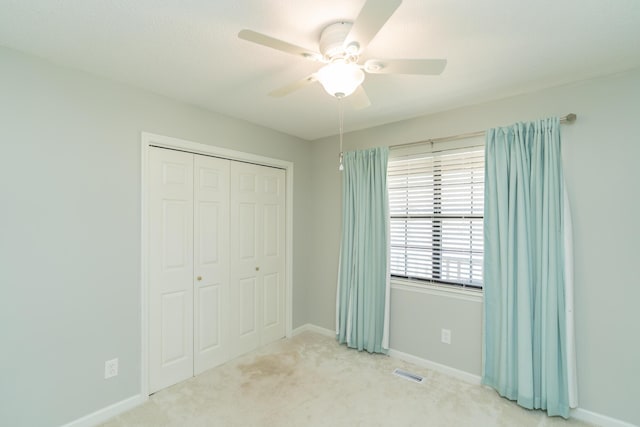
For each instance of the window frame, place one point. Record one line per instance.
(438, 285)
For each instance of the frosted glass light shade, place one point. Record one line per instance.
(340, 79)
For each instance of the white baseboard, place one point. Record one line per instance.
(111, 411)
(313, 328)
(106, 413)
(453, 372)
(598, 419)
(578, 413)
(456, 373)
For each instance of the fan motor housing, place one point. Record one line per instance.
(332, 40)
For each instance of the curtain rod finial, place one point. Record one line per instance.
(571, 117)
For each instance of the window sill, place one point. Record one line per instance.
(474, 295)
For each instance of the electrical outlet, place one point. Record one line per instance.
(110, 368)
(445, 336)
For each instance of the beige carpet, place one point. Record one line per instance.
(310, 380)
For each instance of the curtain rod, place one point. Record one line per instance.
(569, 118)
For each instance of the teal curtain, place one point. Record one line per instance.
(524, 290)
(363, 277)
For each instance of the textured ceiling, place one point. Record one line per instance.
(188, 50)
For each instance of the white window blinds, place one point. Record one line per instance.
(436, 204)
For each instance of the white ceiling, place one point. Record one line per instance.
(188, 50)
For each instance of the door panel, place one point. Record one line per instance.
(247, 306)
(272, 264)
(170, 267)
(272, 183)
(244, 229)
(271, 230)
(211, 234)
(175, 345)
(209, 229)
(246, 180)
(209, 305)
(271, 300)
(257, 256)
(176, 224)
(247, 240)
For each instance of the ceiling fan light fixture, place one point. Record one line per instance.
(340, 78)
(352, 48)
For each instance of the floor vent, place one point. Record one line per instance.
(408, 375)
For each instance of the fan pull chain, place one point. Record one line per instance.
(341, 130)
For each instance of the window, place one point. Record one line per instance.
(436, 205)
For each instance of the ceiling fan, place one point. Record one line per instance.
(340, 47)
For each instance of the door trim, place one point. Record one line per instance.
(148, 140)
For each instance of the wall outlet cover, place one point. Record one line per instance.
(110, 368)
(445, 336)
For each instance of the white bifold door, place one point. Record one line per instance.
(216, 262)
(257, 256)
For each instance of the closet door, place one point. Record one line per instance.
(211, 262)
(257, 226)
(170, 267)
(216, 262)
(272, 264)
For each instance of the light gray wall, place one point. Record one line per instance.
(70, 227)
(601, 152)
(70, 231)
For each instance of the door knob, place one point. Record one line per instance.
(257, 268)
(199, 277)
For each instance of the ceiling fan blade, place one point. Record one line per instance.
(292, 87)
(430, 67)
(280, 45)
(374, 14)
(359, 99)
